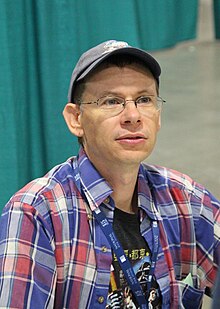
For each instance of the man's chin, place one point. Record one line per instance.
(135, 157)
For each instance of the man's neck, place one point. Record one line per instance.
(122, 177)
(126, 203)
(123, 184)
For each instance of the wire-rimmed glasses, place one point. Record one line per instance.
(115, 105)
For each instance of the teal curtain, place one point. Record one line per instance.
(41, 41)
(216, 6)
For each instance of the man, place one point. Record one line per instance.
(104, 230)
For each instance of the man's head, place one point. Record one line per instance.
(115, 107)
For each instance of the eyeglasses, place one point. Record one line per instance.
(115, 105)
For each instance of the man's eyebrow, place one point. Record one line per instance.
(117, 94)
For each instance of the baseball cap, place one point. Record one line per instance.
(98, 54)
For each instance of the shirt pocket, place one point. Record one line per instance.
(191, 296)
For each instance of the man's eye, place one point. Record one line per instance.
(144, 100)
(111, 102)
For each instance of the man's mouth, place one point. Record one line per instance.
(131, 139)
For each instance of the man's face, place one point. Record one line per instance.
(129, 137)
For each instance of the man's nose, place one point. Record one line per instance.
(131, 113)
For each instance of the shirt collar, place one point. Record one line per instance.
(146, 199)
(92, 184)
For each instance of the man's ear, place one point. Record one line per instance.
(72, 115)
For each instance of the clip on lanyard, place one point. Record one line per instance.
(123, 260)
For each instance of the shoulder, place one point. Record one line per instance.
(159, 175)
(179, 186)
(47, 190)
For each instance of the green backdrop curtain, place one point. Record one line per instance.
(40, 43)
(216, 7)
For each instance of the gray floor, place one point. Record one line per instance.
(189, 138)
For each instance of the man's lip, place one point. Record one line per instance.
(131, 136)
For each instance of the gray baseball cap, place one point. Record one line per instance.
(96, 55)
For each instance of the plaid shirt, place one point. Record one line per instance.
(54, 255)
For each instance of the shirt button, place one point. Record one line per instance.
(89, 216)
(104, 249)
(101, 299)
(107, 200)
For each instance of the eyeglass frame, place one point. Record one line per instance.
(124, 101)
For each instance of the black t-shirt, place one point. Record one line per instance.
(127, 229)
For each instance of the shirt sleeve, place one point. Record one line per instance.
(27, 261)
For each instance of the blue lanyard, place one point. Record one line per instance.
(123, 260)
(155, 231)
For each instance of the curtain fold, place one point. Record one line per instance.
(40, 44)
(216, 7)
